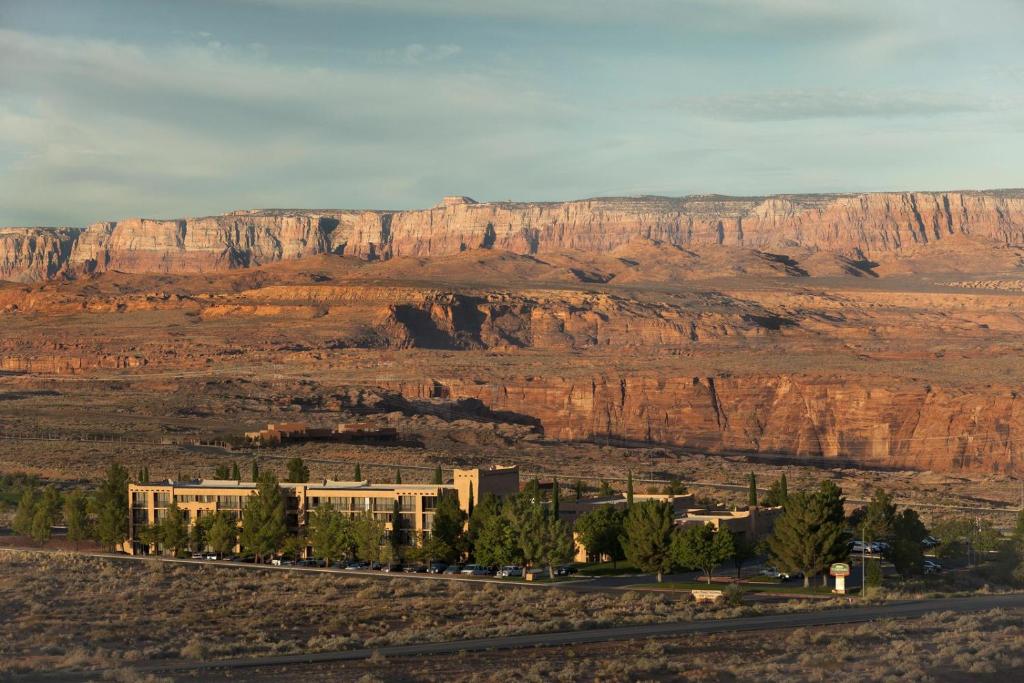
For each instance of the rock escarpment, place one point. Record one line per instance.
(34, 254)
(862, 226)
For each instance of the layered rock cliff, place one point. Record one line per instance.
(860, 226)
(34, 254)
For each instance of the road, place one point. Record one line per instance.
(850, 615)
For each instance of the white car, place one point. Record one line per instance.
(510, 571)
(475, 570)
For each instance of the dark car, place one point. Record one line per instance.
(416, 569)
(565, 570)
(437, 567)
(376, 566)
(393, 567)
(453, 569)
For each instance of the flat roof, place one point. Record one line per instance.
(328, 485)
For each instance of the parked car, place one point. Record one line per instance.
(198, 556)
(453, 569)
(415, 569)
(780, 575)
(393, 567)
(309, 562)
(376, 566)
(437, 567)
(931, 567)
(510, 571)
(475, 570)
(357, 565)
(565, 570)
(929, 541)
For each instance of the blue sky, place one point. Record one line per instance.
(128, 108)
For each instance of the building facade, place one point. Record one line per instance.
(415, 503)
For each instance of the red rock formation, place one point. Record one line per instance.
(34, 254)
(865, 225)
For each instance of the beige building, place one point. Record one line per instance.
(416, 502)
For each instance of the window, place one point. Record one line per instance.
(429, 503)
(383, 504)
(407, 503)
(163, 499)
(140, 499)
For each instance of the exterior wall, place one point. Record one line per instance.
(416, 502)
(501, 481)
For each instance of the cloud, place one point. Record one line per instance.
(794, 105)
(416, 54)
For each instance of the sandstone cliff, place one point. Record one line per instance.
(34, 254)
(862, 226)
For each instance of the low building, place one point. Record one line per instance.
(415, 502)
(293, 432)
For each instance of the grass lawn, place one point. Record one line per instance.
(608, 569)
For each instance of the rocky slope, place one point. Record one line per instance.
(861, 227)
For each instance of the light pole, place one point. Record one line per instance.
(863, 565)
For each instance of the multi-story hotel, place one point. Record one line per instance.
(415, 502)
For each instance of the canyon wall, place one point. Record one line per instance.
(906, 425)
(862, 226)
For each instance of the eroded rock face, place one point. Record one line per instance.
(906, 425)
(34, 254)
(857, 226)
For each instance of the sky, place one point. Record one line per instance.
(194, 107)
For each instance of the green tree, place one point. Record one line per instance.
(367, 536)
(629, 487)
(147, 535)
(398, 475)
(172, 530)
(744, 550)
(198, 535)
(357, 475)
(752, 491)
(699, 546)
(555, 495)
(647, 536)
(873, 573)
(236, 475)
(605, 490)
(298, 472)
(25, 512)
(293, 547)
(600, 531)
(221, 472)
(578, 489)
(555, 544)
(46, 514)
(876, 521)
(263, 518)
(254, 470)
(76, 517)
(833, 505)
(777, 494)
(448, 527)
(110, 507)
(329, 532)
(496, 542)
(489, 506)
(438, 476)
(223, 534)
(805, 537)
(906, 552)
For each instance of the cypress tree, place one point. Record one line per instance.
(470, 503)
(235, 473)
(579, 489)
(629, 488)
(784, 488)
(358, 474)
(438, 476)
(145, 474)
(398, 475)
(752, 494)
(554, 499)
(255, 471)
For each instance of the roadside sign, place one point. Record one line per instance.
(706, 595)
(839, 569)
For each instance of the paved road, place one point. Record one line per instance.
(849, 615)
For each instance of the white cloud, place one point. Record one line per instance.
(793, 105)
